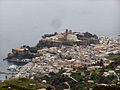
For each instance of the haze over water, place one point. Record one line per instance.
(25, 21)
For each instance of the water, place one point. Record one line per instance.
(4, 66)
(25, 21)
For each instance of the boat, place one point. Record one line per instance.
(12, 67)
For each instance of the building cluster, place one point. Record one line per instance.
(21, 51)
(70, 58)
(68, 35)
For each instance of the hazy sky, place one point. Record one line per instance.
(24, 21)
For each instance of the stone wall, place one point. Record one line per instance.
(47, 43)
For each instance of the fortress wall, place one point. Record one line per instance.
(58, 44)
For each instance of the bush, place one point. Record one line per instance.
(23, 84)
(33, 49)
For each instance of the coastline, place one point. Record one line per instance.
(18, 60)
(5, 65)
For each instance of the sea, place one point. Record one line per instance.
(23, 22)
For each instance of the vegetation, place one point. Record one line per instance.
(86, 36)
(58, 80)
(33, 49)
(116, 61)
(114, 56)
(49, 35)
(89, 35)
(106, 88)
(83, 76)
(23, 84)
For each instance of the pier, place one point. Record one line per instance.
(8, 72)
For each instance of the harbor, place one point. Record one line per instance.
(4, 65)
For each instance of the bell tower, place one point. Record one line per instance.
(66, 34)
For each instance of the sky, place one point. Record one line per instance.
(25, 21)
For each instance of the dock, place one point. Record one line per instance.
(8, 72)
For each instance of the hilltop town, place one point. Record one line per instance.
(68, 54)
(67, 38)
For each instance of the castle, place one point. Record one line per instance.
(68, 38)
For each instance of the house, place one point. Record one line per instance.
(90, 81)
(111, 72)
(106, 74)
(44, 81)
(67, 74)
(91, 68)
(39, 51)
(72, 37)
(118, 82)
(117, 68)
(20, 51)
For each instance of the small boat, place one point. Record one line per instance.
(12, 67)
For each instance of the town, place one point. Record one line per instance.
(68, 51)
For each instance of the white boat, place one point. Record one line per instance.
(12, 67)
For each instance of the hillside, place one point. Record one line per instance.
(23, 84)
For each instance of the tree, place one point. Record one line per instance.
(33, 49)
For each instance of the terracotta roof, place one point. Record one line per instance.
(43, 39)
(19, 49)
(90, 81)
(92, 67)
(82, 34)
